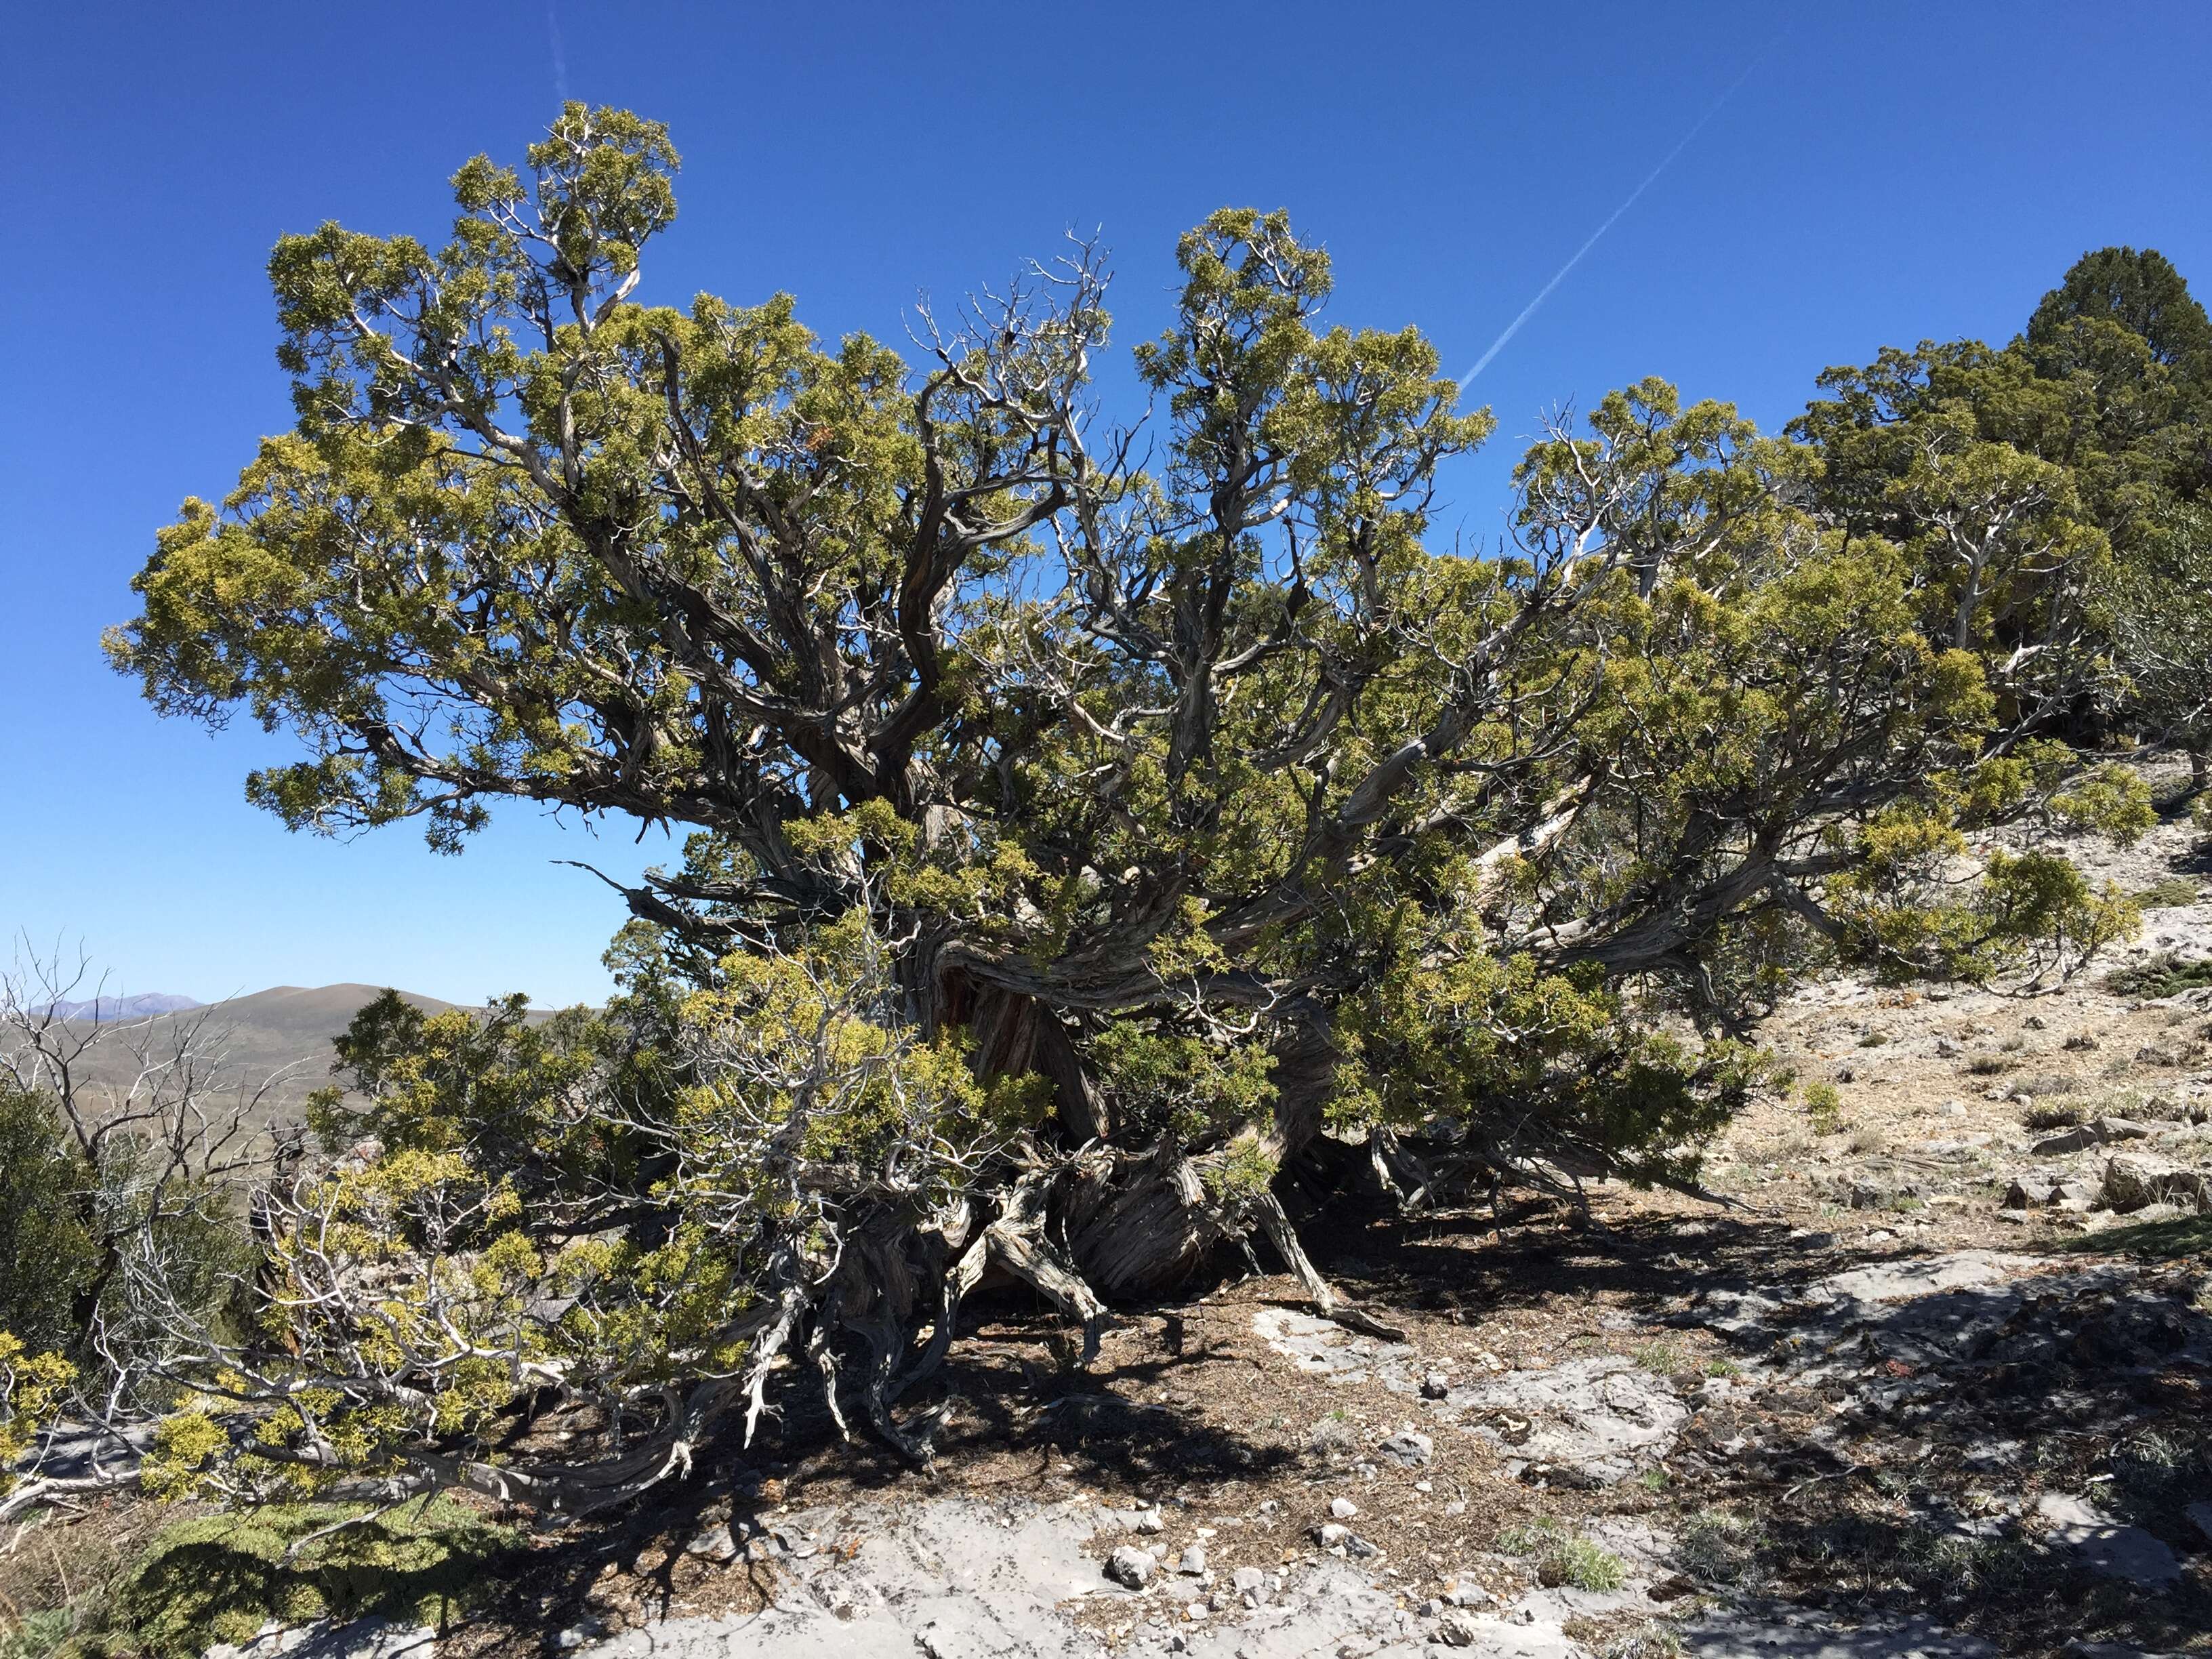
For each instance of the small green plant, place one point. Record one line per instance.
(1662, 1358)
(1526, 1537)
(1651, 1641)
(2171, 892)
(1873, 1039)
(1720, 1548)
(1654, 1479)
(39, 1634)
(1562, 1558)
(2053, 1114)
(2164, 975)
(1582, 1565)
(1989, 1066)
(1824, 1105)
(1721, 1367)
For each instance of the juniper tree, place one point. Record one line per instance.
(1071, 841)
(2081, 456)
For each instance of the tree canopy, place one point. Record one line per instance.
(1083, 821)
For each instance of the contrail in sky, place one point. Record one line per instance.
(1665, 161)
(560, 61)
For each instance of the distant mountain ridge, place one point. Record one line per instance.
(105, 1010)
(279, 1037)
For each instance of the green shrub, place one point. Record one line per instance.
(1562, 1558)
(2172, 891)
(2052, 1115)
(38, 1634)
(220, 1578)
(2164, 975)
(46, 1254)
(1824, 1104)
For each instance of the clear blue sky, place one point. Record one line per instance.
(1886, 173)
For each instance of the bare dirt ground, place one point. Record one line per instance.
(1933, 1379)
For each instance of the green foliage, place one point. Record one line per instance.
(1824, 1105)
(47, 1254)
(2141, 293)
(38, 1634)
(2185, 1238)
(31, 1386)
(2165, 975)
(2112, 801)
(220, 1578)
(1056, 827)
(74, 1223)
(2028, 909)
(2168, 892)
(1562, 1558)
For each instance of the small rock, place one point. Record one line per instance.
(1193, 1562)
(2066, 1141)
(1130, 1567)
(1408, 1448)
(1436, 1386)
(1330, 1534)
(2133, 1180)
(1342, 1508)
(1458, 1629)
(715, 1544)
(1148, 1520)
(1248, 1580)
(1954, 1108)
(2034, 1023)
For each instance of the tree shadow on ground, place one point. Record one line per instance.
(1013, 1408)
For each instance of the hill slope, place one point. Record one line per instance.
(284, 1034)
